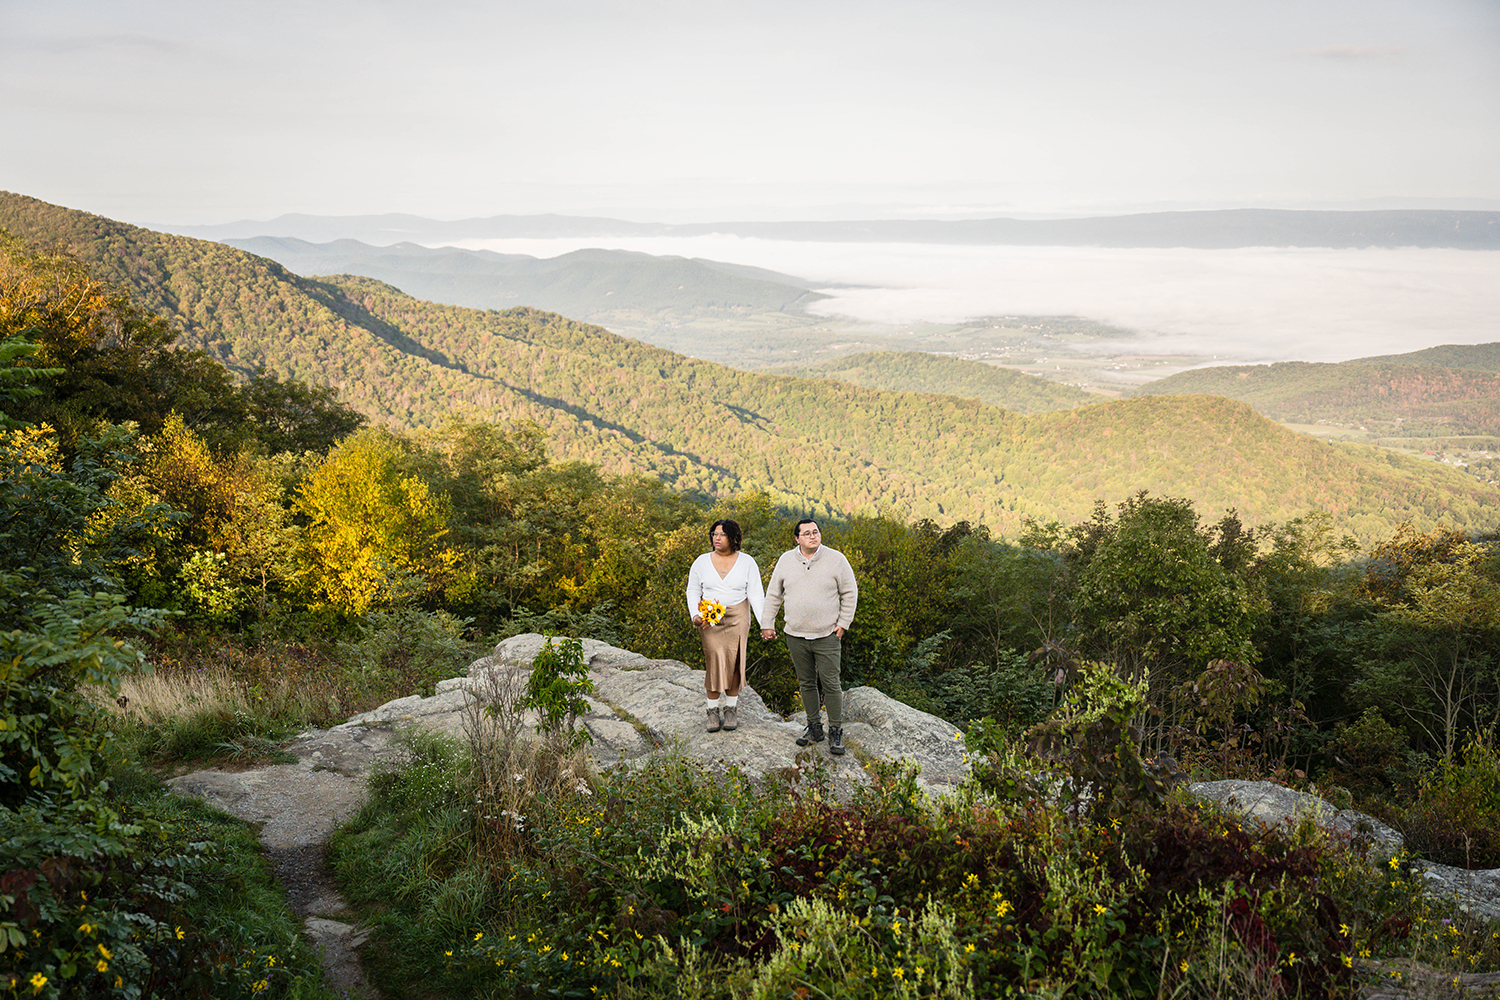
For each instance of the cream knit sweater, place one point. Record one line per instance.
(819, 593)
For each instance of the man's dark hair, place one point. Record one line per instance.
(797, 531)
(731, 531)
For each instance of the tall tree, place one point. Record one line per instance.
(374, 529)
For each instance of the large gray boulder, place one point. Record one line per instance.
(642, 707)
(1271, 804)
(1277, 805)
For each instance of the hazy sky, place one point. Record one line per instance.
(185, 111)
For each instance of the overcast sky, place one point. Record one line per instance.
(185, 111)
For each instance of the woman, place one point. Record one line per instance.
(732, 578)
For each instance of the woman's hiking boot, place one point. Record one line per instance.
(812, 734)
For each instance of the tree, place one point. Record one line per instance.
(1005, 597)
(371, 525)
(1306, 633)
(106, 358)
(18, 381)
(1155, 591)
(288, 415)
(1441, 639)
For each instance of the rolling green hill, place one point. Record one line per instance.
(823, 445)
(1421, 398)
(918, 371)
(1479, 357)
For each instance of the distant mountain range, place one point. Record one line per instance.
(1246, 227)
(815, 444)
(580, 284)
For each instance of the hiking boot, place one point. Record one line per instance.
(715, 723)
(812, 734)
(836, 740)
(731, 719)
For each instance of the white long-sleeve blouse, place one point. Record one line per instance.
(742, 581)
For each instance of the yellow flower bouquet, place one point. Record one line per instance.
(710, 611)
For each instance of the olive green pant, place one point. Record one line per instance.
(816, 662)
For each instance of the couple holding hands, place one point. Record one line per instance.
(815, 586)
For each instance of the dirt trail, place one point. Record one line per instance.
(295, 808)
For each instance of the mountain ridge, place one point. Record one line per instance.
(1414, 393)
(1208, 229)
(581, 282)
(822, 446)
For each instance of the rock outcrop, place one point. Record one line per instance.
(640, 707)
(1478, 892)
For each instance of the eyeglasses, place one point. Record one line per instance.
(808, 531)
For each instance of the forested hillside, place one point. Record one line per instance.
(281, 568)
(816, 444)
(1479, 357)
(918, 371)
(1447, 390)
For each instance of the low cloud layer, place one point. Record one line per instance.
(1257, 304)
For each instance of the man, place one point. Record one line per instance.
(816, 586)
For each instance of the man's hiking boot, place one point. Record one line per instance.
(731, 719)
(714, 722)
(836, 740)
(812, 734)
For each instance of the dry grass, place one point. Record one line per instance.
(205, 701)
(148, 698)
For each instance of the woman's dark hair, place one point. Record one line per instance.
(731, 531)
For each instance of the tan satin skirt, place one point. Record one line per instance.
(724, 651)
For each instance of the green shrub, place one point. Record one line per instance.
(1369, 756)
(144, 895)
(1455, 819)
(559, 680)
(662, 880)
(53, 739)
(1013, 692)
(407, 650)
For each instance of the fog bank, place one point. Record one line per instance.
(1255, 304)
